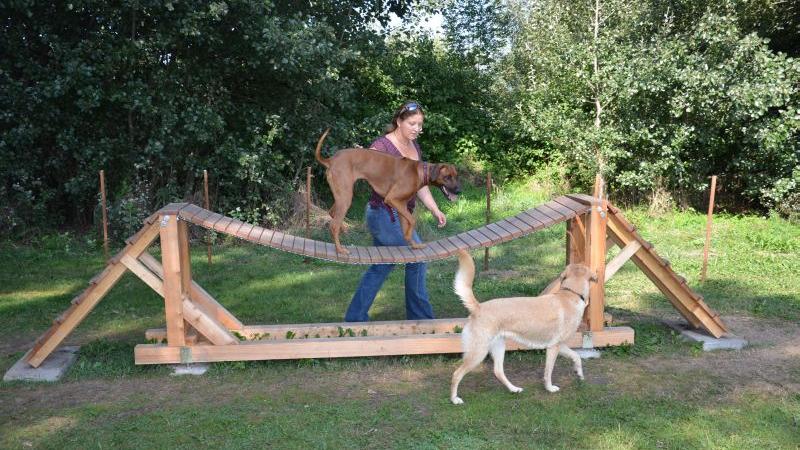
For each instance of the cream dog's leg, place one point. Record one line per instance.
(498, 350)
(475, 351)
(550, 361)
(576, 359)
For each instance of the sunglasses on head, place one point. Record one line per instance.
(410, 106)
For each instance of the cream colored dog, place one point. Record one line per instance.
(545, 322)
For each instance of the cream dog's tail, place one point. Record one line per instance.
(324, 161)
(462, 285)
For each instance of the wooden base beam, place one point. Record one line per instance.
(344, 347)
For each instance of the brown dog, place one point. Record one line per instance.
(395, 179)
(545, 322)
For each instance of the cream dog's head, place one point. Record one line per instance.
(578, 278)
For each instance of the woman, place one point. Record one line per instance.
(384, 226)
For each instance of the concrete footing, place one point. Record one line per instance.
(709, 342)
(189, 369)
(51, 369)
(587, 353)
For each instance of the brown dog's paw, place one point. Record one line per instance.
(342, 250)
(416, 246)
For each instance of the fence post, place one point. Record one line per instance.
(488, 216)
(708, 227)
(105, 214)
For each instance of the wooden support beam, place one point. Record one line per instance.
(697, 313)
(348, 347)
(173, 289)
(615, 264)
(596, 252)
(139, 269)
(206, 325)
(198, 295)
(89, 298)
(577, 240)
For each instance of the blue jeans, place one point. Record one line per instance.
(386, 232)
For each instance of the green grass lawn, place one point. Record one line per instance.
(659, 393)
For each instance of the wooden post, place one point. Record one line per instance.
(308, 208)
(105, 213)
(596, 254)
(207, 205)
(172, 255)
(488, 216)
(708, 227)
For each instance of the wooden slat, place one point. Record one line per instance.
(363, 255)
(510, 228)
(439, 249)
(330, 251)
(491, 234)
(479, 238)
(287, 243)
(502, 234)
(210, 222)
(200, 218)
(319, 249)
(523, 226)
(255, 234)
(565, 212)
(428, 253)
(190, 212)
(298, 245)
(532, 218)
(448, 246)
(233, 227)
(406, 255)
(460, 242)
(581, 198)
(541, 217)
(550, 212)
(244, 231)
(374, 255)
(577, 208)
(222, 224)
(385, 254)
(529, 221)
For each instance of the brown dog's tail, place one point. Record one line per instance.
(462, 285)
(324, 161)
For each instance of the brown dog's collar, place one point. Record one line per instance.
(426, 176)
(579, 295)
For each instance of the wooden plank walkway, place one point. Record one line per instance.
(545, 215)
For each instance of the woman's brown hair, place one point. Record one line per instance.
(407, 110)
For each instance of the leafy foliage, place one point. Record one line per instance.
(680, 101)
(155, 92)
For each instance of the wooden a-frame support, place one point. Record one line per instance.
(199, 329)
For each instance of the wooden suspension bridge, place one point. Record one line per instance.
(200, 329)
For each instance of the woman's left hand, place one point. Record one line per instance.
(440, 217)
